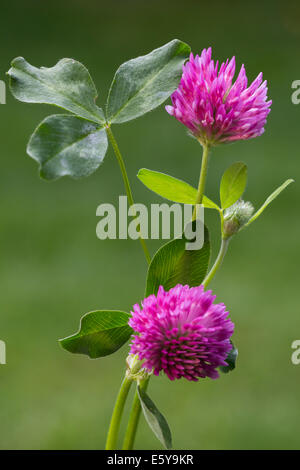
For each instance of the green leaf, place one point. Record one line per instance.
(168, 187)
(269, 200)
(68, 85)
(155, 419)
(67, 145)
(172, 188)
(233, 184)
(144, 83)
(100, 333)
(172, 264)
(209, 204)
(231, 360)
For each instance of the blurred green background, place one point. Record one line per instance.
(53, 268)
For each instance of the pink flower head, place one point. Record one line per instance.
(182, 332)
(213, 107)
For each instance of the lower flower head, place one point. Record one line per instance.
(213, 107)
(182, 333)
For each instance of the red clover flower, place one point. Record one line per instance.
(213, 107)
(182, 333)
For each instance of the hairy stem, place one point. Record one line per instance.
(112, 436)
(136, 407)
(126, 182)
(119, 406)
(218, 262)
(134, 417)
(202, 179)
(200, 194)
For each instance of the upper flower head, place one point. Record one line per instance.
(182, 332)
(213, 107)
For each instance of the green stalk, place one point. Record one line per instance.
(202, 178)
(115, 422)
(136, 407)
(134, 417)
(218, 262)
(120, 403)
(200, 193)
(126, 182)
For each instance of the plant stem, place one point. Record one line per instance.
(134, 417)
(136, 407)
(218, 262)
(119, 406)
(126, 182)
(115, 422)
(202, 178)
(200, 194)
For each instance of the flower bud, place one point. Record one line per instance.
(135, 371)
(236, 216)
